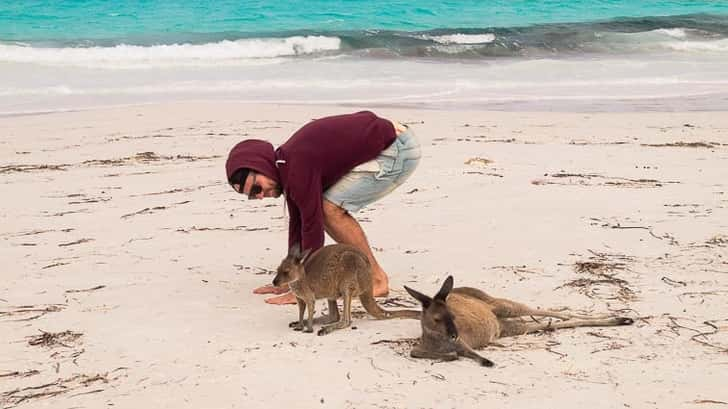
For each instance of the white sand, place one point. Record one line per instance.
(178, 252)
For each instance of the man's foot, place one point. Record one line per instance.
(270, 289)
(288, 298)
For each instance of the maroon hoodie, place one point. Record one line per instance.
(311, 161)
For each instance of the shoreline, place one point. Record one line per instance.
(650, 105)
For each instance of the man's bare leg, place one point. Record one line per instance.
(344, 229)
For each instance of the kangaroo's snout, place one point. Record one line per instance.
(452, 330)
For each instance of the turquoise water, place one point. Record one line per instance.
(168, 21)
(502, 54)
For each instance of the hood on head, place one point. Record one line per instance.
(253, 154)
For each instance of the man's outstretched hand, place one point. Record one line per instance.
(270, 289)
(288, 298)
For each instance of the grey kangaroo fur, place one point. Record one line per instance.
(458, 320)
(332, 272)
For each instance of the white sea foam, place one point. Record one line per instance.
(717, 46)
(672, 32)
(126, 56)
(679, 40)
(463, 38)
(454, 48)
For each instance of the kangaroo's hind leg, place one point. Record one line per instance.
(513, 327)
(344, 319)
(332, 316)
(504, 308)
(510, 309)
(329, 318)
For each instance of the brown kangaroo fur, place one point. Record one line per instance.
(458, 320)
(332, 272)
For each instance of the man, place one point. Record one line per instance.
(328, 169)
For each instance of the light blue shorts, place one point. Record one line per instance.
(372, 180)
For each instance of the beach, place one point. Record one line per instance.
(130, 262)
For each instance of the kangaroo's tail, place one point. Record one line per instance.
(371, 306)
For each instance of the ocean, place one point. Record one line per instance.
(583, 55)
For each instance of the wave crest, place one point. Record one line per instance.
(463, 38)
(172, 54)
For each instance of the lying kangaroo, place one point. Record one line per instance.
(458, 320)
(332, 272)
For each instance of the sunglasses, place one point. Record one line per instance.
(255, 188)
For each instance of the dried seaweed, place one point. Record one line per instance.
(29, 312)
(73, 243)
(484, 139)
(150, 210)
(256, 270)
(593, 179)
(718, 240)
(98, 287)
(711, 401)
(683, 145)
(236, 228)
(58, 264)
(674, 283)
(60, 386)
(18, 374)
(597, 267)
(87, 200)
(701, 337)
(144, 157)
(141, 157)
(54, 339)
(666, 236)
(601, 272)
(30, 168)
(396, 301)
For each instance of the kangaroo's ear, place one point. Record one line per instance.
(445, 289)
(295, 250)
(304, 256)
(425, 300)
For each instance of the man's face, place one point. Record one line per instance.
(258, 186)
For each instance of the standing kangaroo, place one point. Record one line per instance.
(332, 272)
(458, 320)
